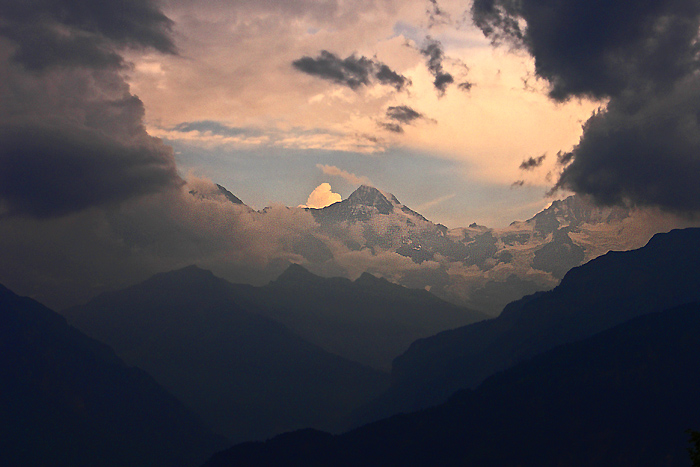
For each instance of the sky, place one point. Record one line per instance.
(262, 95)
(115, 113)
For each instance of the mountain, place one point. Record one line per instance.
(623, 397)
(363, 205)
(477, 267)
(369, 320)
(208, 342)
(229, 196)
(218, 191)
(605, 292)
(68, 400)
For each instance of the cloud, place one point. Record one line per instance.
(532, 162)
(349, 177)
(432, 49)
(599, 49)
(322, 196)
(643, 155)
(465, 86)
(67, 33)
(436, 15)
(642, 147)
(212, 127)
(403, 114)
(390, 126)
(71, 133)
(426, 206)
(54, 169)
(352, 71)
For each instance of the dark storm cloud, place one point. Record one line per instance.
(532, 162)
(432, 50)
(403, 114)
(50, 170)
(352, 71)
(644, 147)
(598, 49)
(70, 33)
(71, 134)
(649, 155)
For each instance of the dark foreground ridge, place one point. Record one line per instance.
(67, 400)
(607, 291)
(623, 397)
(208, 342)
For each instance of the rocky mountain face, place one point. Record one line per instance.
(68, 400)
(476, 266)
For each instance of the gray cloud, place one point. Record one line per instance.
(599, 49)
(403, 114)
(643, 147)
(215, 128)
(644, 155)
(71, 133)
(465, 86)
(391, 126)
(432, 50)
(72, 33)
(436, 15)
(532, 162)
(54, 169)
(352, 71)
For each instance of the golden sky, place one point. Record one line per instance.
(239, 112)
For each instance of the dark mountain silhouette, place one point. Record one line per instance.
(67, 400)
(370, 320)
(207, 342)
(623, 397)
(607, 291)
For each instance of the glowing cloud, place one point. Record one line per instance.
(322, 196)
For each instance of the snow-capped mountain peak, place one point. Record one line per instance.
(369, 196)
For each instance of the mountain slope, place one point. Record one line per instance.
(247, 376)
(478, 267)
(370, 320)
(67, 400)
(623, 397)
(602, 293)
